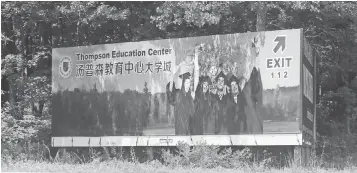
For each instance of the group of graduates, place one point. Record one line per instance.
(210, 111)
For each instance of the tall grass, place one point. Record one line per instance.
(185, 159)
(127, 167)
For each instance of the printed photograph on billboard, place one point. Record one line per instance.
(244, 83)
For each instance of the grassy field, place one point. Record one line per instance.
(126, 167)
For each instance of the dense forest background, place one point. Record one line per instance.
(29, 30)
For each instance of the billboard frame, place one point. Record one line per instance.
(268, 139)
(305, 63)
(151, 141)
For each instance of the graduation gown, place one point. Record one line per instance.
(209, 122)
(202, 119)
(184, 109)
(219, 109)
(236, 121)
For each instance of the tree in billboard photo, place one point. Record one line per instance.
(221, 105)
(222, 66)
(100, 113)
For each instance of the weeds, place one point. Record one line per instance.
(183, 157)
(205, 156)
(28, 140)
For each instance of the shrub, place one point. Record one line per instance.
(205, 156)
(24, 139)
(337, 151)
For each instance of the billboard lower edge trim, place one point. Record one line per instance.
(217, 140)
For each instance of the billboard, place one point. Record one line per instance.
(239, 85)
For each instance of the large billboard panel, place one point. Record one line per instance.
(244, 83)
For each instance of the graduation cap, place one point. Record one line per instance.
(185, 75)
(221, 74)
(205, 79)
(234, 79)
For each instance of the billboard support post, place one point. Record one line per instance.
(297, 155)
(303, 155)
(149, 153)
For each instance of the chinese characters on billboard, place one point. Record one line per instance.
(246, 83)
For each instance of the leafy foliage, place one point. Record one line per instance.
(24, 138)
(191, 13)
(206, 157)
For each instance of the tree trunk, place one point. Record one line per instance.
(28, 49)
(45, 35)
(20, 37)
(78, 30)
(10, 48)
(261, 16)
(12, 94)
(61, 26)
(348, 129)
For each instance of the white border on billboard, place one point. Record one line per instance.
(217, 140)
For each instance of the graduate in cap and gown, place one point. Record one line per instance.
(183, 106)
(219, 101)
(202, 121)
(236, 121)
(182, 99)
